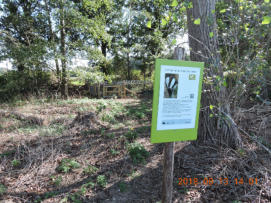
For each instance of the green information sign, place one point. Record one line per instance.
(176, 100)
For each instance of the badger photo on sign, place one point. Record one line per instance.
(171, 86)
(178, 96)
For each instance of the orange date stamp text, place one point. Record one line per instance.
(217, 181)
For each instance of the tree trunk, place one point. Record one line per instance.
(128, 67)
(52, 38)
(204, 47)
(64, 85)
(104, 49)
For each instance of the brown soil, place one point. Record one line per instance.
(90, 141)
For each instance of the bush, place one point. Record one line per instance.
(101, 180)
(66, 165)
(15, 163)
(14, 84)
(138, 153)
(90, 170)
(131, 135)
(3, 189)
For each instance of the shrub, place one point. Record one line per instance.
(122, 187)
(101, 180)
(3, 189)
(15, 84)
(66, 165)
(15, 163)
(56, 180)
(90, 169)
(131, 135)
(138, 153)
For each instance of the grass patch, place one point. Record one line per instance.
(52, 130)
(28, 129)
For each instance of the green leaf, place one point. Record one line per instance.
(164, 22)
(175, 18)
(266, 1)
(211, 107)
(183, 8)
(197, 21)
(246, 27)
(174, 42)
(225, 83)
(222, 11)
(266, 20)
(149, 24)
(211, 34)
(174, 3)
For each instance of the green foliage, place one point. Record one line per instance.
(66, 165)
(56, 180)
(3, 189)
(101, 105)
(197, 21)
(14, 85)
(90, 170)
(114, 152)
(7, 153)
(138, 153)
(101, 180)
(52, 130)
(138, 112)
(110, 135)
(108, 117)
(50, 194)
(84, 187)
(90, 75)
(122, 186)
(75, 197)
(266, 20)
(15, 163)
(131, 135)
(149, 24)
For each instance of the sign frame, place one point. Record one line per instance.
(162, 136)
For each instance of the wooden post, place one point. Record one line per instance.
(167, 186)
(99, 90)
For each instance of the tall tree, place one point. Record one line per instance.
(64, 85)
(52, 37)
(204, 47)
(22, 26)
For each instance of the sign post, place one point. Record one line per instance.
(176, 104)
